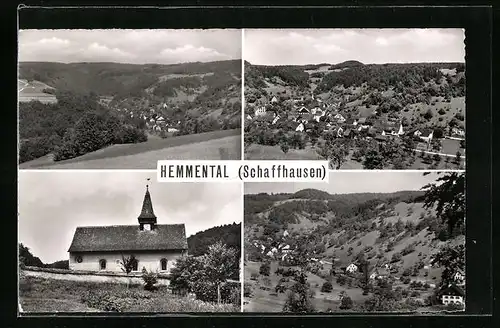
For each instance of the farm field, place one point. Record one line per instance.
(47, 295)
(29, 91)
(204, 146)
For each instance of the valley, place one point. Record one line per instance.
(348, 252)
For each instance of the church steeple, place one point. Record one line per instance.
(147, 218)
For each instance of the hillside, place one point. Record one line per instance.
(229, 234)
(160, 101)
(360, 106)
(395, 235)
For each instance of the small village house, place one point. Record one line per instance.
(297, 126)
(351, 268)
(156, 247)
(459, 278)
(452, 294)
(274, 100)
(260, 111)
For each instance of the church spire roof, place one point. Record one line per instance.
(147, 214)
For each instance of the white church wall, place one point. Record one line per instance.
(151, 261)
(98, 278)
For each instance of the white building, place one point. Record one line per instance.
(155, 247)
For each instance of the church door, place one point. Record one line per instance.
(102, 264)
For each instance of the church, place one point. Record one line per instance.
(154, 246)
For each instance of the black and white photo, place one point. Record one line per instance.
(124, 99)
(98, 241)
(364, 242)
(360, 98)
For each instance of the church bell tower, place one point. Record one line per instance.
(147, 218)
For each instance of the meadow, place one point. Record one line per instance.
(225, 145)
(47, 295)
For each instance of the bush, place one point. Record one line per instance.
(150, 280)
(346, 303)
(254, 276)
(454, 307)
(327, 287)
(265, 269)
(104, 300)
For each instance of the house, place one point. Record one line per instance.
(249, 117)
(338, 132)
(297, 127)
(351, 268)
(303, 110)
(452, 294)
(156, 247)
(274, 100)
(426, 135)
(374, 275)
(351, 121)
(348, 133)
(340, 119)
(457, 132)
(260, 111)
(172, 130)
(400, 130)
(276, 118)
(459, 278)
(285, 233)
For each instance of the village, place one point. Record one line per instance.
(313, 118)
(348, 278)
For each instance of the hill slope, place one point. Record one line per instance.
(394, 233)
(160, 100)
(229, 234)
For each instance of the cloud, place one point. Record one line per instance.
(309, 46)
(129, 46)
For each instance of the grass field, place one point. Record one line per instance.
(34, 91)
(47, 295)
(269, 301)
(215, 145)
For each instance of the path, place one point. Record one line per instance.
(440, 154)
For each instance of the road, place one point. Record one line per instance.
(440, 154)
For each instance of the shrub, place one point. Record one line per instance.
(454, 307)
(327, 287)
(254, 276)
(150, 279)
(104, 300)
(346, 303)
(265, 269)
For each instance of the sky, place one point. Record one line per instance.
(53, 203)
(351, 182)
(129, 46)
(369, 46)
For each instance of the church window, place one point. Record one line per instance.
(147, 227)
(163, 264)
(78, 259)
(135, 266)
(102, 264)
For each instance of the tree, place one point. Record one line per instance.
(326, 287)
(448, 197)
(299, 297)
(220, 264)
(373, 160)
(284, 147)
(346, 302)
(458, 158)
(452, 259)
(265, 269)
(335, 153)
(128, 263)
